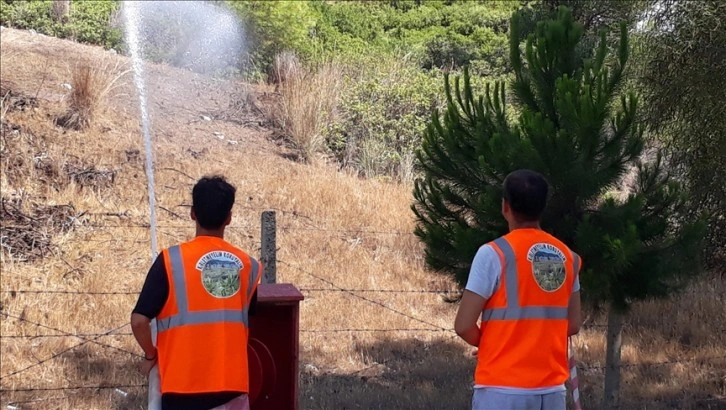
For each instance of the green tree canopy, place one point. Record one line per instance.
(682, 50)
(576, 126)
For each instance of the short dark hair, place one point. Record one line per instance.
(212, 200)
(526, 193)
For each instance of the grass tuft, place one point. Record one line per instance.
(307, 104)
(90, 85)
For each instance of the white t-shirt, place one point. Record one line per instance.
(484, 278)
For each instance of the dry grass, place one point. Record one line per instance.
(352, 232)
(90, 85)
(308, 99)
(4, 104)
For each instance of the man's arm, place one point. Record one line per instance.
(574, 314)
(483, 280)
(252, 308)
(253, 304)
(574, 307)
(467, 316)
(141, 327)
(151, 300)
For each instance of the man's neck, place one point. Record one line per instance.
(219, 233)
(524, 225)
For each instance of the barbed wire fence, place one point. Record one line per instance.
(94, 338)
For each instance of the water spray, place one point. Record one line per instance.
(131, 17)
(213, 42)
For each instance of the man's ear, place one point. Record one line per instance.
(229, 219)
(192, 214)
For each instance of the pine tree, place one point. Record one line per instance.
(574, 124)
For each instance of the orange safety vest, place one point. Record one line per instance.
(203, 327)
(523, 341)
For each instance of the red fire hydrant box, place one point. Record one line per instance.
(273, 348)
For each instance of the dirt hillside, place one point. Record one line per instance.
(76, 204)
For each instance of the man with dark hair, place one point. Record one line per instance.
(201, 293)
(526, 194)
(525, 287)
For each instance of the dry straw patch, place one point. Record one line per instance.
(90, 84)
(307, 103)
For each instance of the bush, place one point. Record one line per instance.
(87, 21)
(90, 22)
(272, 27)
(434, 34)
(382, 115)
(368, 115)
(458, 34)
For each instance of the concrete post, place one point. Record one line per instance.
(268, 252)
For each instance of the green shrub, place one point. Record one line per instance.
(88, 21)
(433, 34)
(29, 15)
(381, 116)
(272, 27)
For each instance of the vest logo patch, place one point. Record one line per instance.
(548, 266)
(220, 273)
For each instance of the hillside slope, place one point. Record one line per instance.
(76, 248)
(352, 232)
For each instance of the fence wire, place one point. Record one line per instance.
(73, 347)
(375, 302)
(93, 337)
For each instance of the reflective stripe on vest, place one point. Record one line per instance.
(513, 310)
(184, 316)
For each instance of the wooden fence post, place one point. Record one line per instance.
(268, 250)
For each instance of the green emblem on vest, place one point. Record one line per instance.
(220, 273)
(548, 266)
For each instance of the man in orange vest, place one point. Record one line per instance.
(525, 287)
(201, 293)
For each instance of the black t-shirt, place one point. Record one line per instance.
(151, 300)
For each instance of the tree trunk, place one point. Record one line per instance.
(611, 395)
(61, 8)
